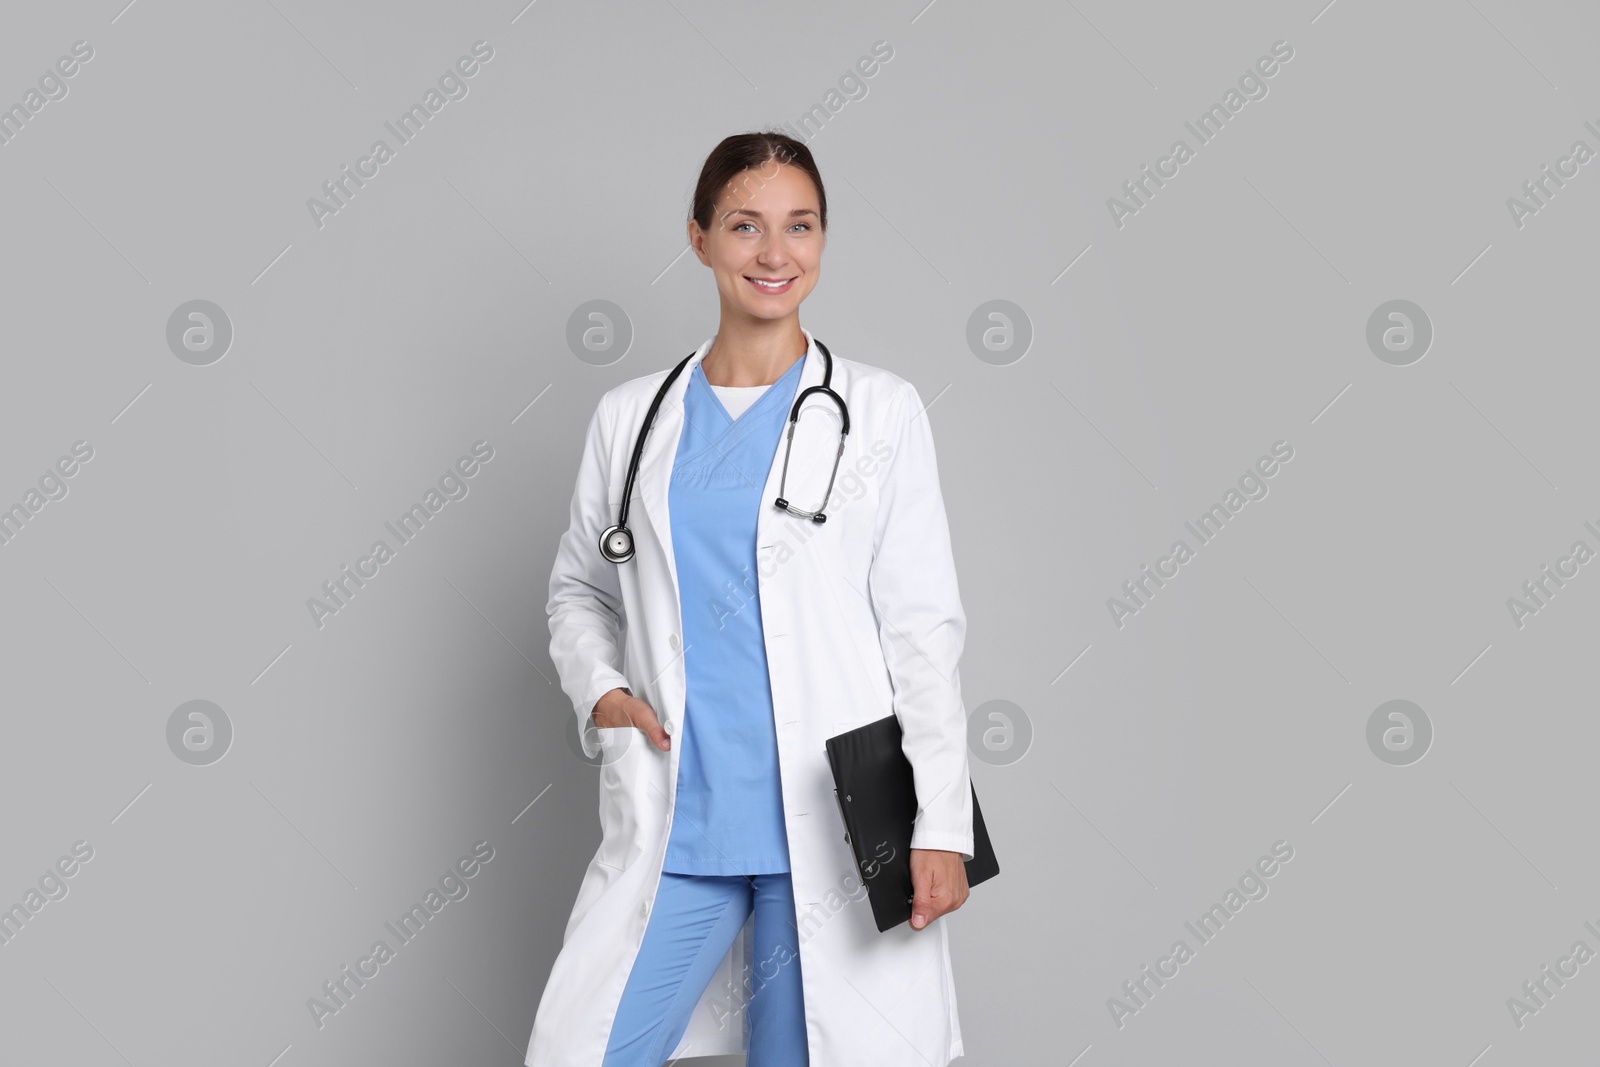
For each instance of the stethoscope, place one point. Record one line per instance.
(616, 543)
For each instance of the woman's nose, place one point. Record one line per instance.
(773, 251)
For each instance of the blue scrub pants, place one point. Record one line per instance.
(692, 923)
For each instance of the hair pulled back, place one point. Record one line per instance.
(746, 151)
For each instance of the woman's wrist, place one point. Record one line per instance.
(608, 702)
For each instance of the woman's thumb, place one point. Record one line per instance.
(652, 729)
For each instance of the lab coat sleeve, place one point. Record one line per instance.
(922, 629)
(585, 606)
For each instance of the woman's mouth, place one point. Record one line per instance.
(770, 286)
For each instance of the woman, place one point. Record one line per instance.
(723, 912)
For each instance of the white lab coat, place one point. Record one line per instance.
(861, 617)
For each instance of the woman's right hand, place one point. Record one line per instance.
(619, 708)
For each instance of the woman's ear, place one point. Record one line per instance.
(697, 240)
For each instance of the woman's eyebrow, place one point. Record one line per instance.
(759, 215)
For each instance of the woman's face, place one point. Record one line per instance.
(765, 228)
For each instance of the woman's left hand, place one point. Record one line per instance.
(939, 882)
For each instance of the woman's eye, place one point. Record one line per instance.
(806, 226)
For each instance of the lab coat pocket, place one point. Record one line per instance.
(620, 779)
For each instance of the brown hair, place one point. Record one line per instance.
(742, 152)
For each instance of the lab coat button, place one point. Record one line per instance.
(673, 641)
(644, 909)
(667, 726)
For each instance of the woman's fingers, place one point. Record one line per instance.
(629, 710)
(939, 884)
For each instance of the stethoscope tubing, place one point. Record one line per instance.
(616, 542)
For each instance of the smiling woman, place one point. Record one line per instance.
(763, 240)
(708, 684)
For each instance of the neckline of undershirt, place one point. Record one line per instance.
(736, 400)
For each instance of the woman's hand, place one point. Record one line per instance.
(939, 879)
(620, 707)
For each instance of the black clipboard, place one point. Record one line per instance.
(877, 797)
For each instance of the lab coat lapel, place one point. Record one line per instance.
(660, 449)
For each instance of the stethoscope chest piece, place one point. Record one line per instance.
(616, 544)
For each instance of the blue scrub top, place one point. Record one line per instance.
(728, 815)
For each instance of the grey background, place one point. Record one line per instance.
(432, 312)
